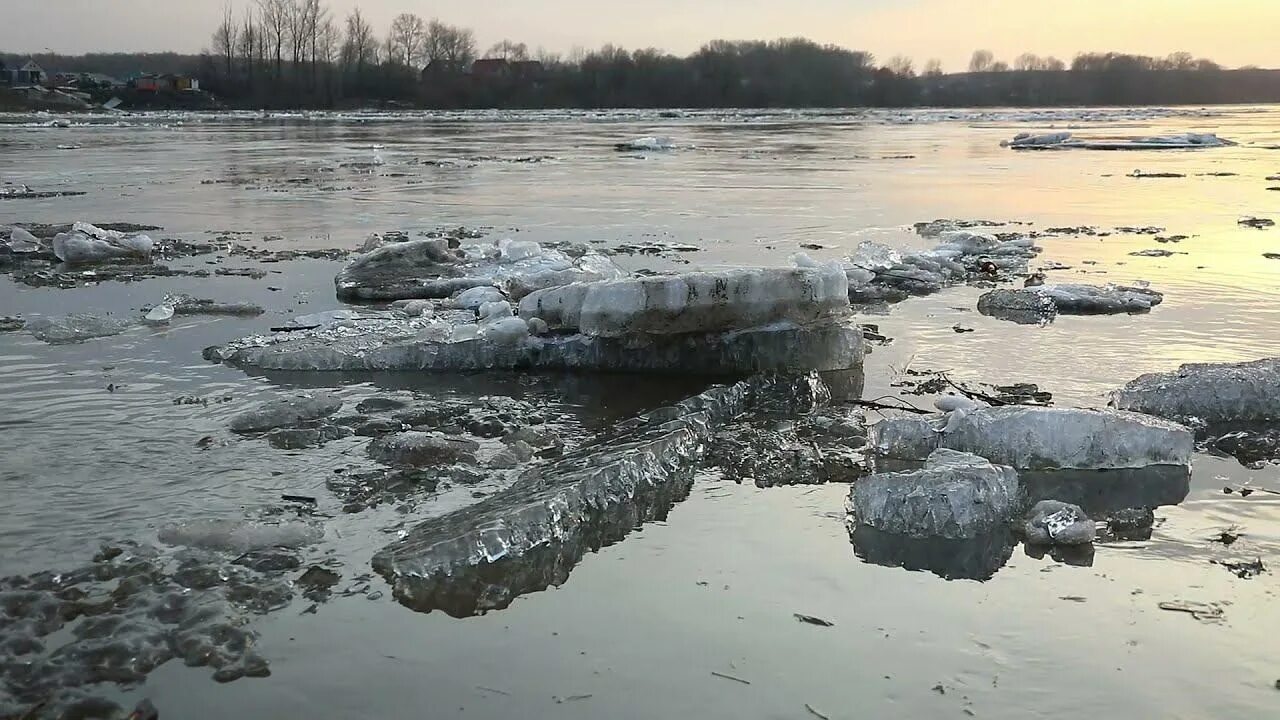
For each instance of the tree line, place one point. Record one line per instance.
(298, 54)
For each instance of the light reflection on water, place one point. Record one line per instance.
(83, 463)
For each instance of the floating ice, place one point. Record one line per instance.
(1058, 523)
(529, 536)
(396, 343)
(76, 327)
(431, 269)
(693, 302)
(1068, 299)
(188, 305)
(1064, 140)
(240, 536)
(1206, 392)
(646, 144)
(286, 412)
(1039, 438)
(85, 243)
(955, 496)
(422, 448)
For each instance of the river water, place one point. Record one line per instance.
(96, 449)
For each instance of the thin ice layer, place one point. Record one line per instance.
(413, 344)
(693, 302)
(1039, 438)
(1212, 393)
(530, 536)
(955, 496)
(1066, 141)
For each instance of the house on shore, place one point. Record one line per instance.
(28, 74)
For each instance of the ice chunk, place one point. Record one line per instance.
(76, 327)
(473, 298)
(411, 344)
(159, 315)
(21, 241)
(879, 273)
(646, 144)
(85, 243)
(494, 311)
(415, 308)
(506, 330)
(1039, 438)
(421, 448)
(1069, 299)
(528, 537)
(1058, 523)
(1211, 393)
(286, 412)
(693, 302)
(240, 536)
(956, 496)
(187, 305)
(1029, 140)
(431, 269)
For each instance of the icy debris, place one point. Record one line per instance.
(956, 496)
(1064, 140)
(415, 308)
(431, 269)
(88, 244)
(646, 144)
(877, 272)
(393, 343)
(23, 242)
(1208, 393)
(1039, 438)
(11, 323)
(693, 302)
(306, 437)
(494, 311)
(286, 412)
(529, 536)
(1058, 523)
(822, 447)
(1046, 301)
(505, 330)
(1256, 222)
(421, 448)
(240, 536)
(76, 327)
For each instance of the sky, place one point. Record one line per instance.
(1232, 32)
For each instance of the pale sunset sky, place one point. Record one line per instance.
(1232, 32)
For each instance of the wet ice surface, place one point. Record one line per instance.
(121, 437)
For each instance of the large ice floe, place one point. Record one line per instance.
(432, 269)
(1208, 393)
(1037, 304)
(731, 322)
(1039, 438)
(878, 272)
(1067, 141)
(529, 536)
(85, 243)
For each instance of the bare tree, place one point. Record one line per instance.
(901, 65)
(1054, 64)
(224, 39)
(404, 42)
(359, 46)
(999, 66)
(933, 67)
(981, 61)
(275, 29)
(249, 44)
(510, 50)
(452, 47)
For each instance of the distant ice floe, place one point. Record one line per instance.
(1067, 141)
(647, 144)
